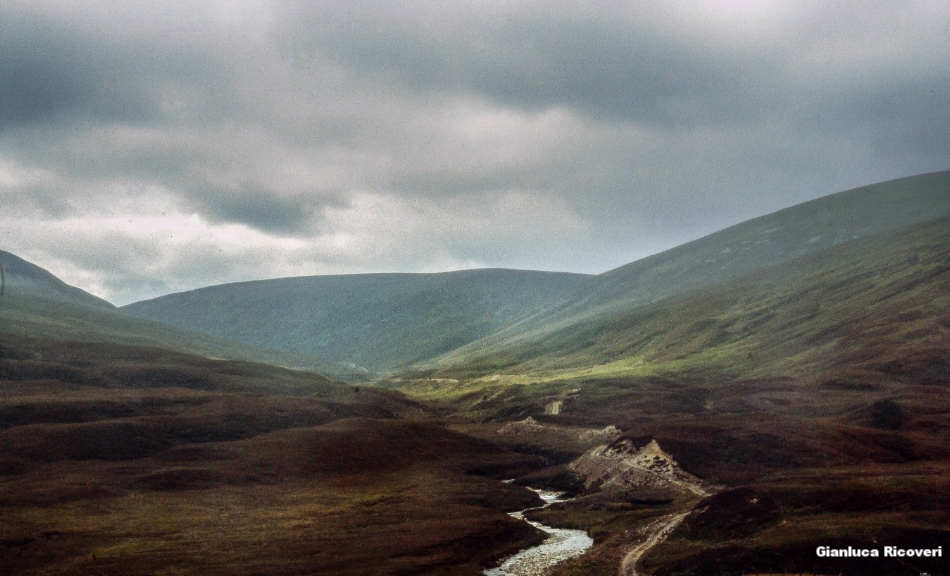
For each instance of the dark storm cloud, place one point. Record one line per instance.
(259, 209)
(786, 98)
(160, 99)
(60, 70)
(585, 58)
(368, 136)
(649, 64)
(57, 72)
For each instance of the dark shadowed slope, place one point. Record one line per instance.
(768, 240)
(24, 278)
(118, 460)
(376, 321)
(120, 454)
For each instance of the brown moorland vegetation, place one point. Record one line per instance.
(815, 395)
(129, 460)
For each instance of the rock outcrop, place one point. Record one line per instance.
(608, 434)
(622, 465)
(527, 426)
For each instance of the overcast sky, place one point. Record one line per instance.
(153, 147)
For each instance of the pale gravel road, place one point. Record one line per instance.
(658, 531)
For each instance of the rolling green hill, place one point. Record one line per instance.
(872, 309)
(812, 392)
(373, 321)
(752, 245)
(382, 322)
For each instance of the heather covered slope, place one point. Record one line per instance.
(134, 460)
(374, 321)
(741, 249)
(809, 395)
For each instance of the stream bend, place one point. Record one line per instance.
(561, 544)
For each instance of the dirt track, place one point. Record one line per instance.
(658, 531)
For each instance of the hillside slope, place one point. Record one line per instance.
(811, 396)
(375, 321)
(878, 307)
(752, 245)
(37, 304)
(24, 278)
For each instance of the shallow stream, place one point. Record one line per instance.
(562, 544)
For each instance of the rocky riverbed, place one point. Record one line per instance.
(562, 544)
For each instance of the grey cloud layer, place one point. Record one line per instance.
(607, 64)
(349, 136)
(638, 62)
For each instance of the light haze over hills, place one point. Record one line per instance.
(22, 277)
(366, 321)
(38, 304)
(381, 322)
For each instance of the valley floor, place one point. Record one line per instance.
(129, 460)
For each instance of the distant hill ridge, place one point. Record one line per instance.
(774, 238)
(22, 277)
(371, 321)
(862, 311)
(37, 304)
(376, 323)
(740, 249)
